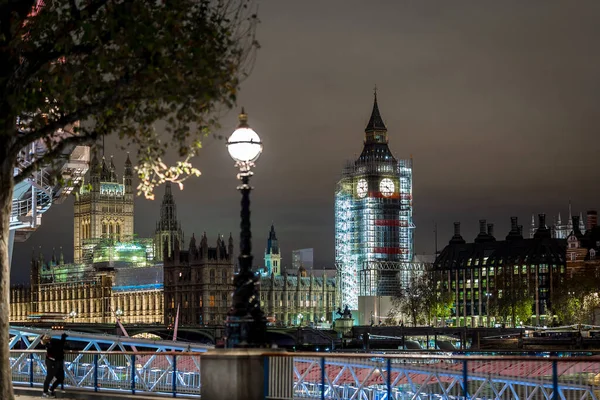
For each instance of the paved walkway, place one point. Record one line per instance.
(22, 393)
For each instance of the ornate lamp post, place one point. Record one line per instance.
(246, 323)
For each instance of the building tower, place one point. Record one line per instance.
(272, 254)
(103, 208)
(168, 229)
(373, 219)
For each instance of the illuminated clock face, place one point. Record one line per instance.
(361, 188)
(386, 187)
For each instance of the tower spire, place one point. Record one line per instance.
(375, 123)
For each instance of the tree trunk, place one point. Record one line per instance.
(6, 191)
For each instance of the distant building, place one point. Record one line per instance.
(103, 208)
(480, 273)
(559, 229)
(583, 250)
(97, 292)
(298, 300)
(272, 255)
(303, 258)
(373, 219)
(198, 282)
(168, 228)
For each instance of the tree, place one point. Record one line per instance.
(412, 300)
(116, 67)
(574, 300)
(513, 295)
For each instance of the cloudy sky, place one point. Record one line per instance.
(497, 102)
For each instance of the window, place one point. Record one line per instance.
(212, 277)
(211, 300)
(224, 299)
(224, 276)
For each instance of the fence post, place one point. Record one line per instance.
(266, 378)
(389, 379)
(174, 378)
(465, 378)
(322, 378)
(95, 372)
(31, 369)
(555, 395)
(133, 374)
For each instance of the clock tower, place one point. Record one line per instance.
(373, 219)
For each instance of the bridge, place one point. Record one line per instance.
(115, 364)
(207, 334)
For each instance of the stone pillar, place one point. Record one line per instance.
(234, 374)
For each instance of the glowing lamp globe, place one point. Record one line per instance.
(244, 144)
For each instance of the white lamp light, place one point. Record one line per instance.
(244, 144)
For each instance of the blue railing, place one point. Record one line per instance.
(332, 376)
(174, 373)
(430, 376)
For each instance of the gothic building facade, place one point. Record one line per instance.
(88, 293)
(103, 208)
(297, 300)
(198, 282)
(168, 228)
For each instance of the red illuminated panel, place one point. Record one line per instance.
(390, 222)
(390, 250)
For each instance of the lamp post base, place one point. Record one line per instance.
(245, 332)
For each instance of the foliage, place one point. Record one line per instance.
(120, 67)
(513, 295)
(576, 298)
(74, 71)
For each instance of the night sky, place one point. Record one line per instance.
(497, 101)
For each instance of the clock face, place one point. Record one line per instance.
(386, 187)
(361, 188)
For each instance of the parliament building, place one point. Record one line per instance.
(156, 280)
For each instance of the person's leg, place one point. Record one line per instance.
(60, 376)
(50, 372)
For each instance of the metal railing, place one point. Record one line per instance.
(174, 373)
(332, 376)
(435, 376)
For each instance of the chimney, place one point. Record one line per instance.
(457, 239)
(575, 220)
(592, 219)
(542, 221)
(490, 230)
(514, 227)
(482, 226)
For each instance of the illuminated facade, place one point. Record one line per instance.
(373, 218)
(103, 208)
(297, 300)
(98, 292)
(272, 254)
(168, 228)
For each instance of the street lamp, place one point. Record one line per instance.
(246, 323)
(119, 313)
(300, 316)
(73, 314)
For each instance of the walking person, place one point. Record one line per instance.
(55, 356)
